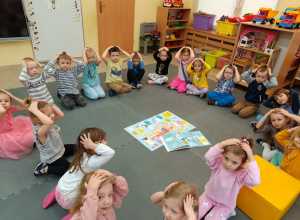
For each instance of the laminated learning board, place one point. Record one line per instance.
(149, 131)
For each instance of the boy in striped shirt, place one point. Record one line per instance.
(66, 78)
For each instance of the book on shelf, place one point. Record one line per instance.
(178, 140)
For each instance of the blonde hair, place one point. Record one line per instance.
(163, 50)
(90, 52)
(29, 59)
(82, 190)
(291, 144)
(238, 150)
(41, 105)
(96, 134)
(63, 56)
(180, 190)
(185, 50)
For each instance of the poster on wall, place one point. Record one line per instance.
(53, 4)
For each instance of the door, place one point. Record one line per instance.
(115, 24)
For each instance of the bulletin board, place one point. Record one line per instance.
(54, 26)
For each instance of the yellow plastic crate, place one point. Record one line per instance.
(273, 197)
(227, 28)
(211, 57)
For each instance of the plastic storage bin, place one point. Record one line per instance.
(200, 51)
(203, 22)
(227, 28)
(223, 61)
(211, 57)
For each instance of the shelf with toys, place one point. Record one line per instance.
(274, 47)
(172, 23)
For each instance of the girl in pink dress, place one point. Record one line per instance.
(16, 135)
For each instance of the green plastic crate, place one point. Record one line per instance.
(211, 57)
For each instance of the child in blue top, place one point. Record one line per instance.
(136, 70)
(256, 91)
(90, 82)
(222, 95)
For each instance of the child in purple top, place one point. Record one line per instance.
(183, 57)
(226, 160)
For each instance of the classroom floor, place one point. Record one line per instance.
(21, 193)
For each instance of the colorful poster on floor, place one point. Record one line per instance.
(149, 131)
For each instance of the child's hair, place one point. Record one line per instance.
(185, 50)
(201, 64)
(41, 105)
(1, 92)
(90, 52)
(63, 56)
(230, 67)
(28, 59)
(135, 56)
(82, 190)
(96, 134)
(277, 93)
(291, 144)
(238, 150)
(267, 135)
(262, 68)
(113, 49)
(163, 50)
(180, 190)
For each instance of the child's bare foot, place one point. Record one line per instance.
(150, 82)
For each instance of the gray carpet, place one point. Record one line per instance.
(21, 193)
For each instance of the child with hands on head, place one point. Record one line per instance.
(256, 91)
(227, 159)
(114, 64)
(179, 201)
(222, 95)
(183, 57)
(47, 139)
(92, 152)
(136, 70)
(277, 119)
(163, 58)
(34, 81)
(66, 79)
(98, 194)
(198, 69)
(90, 81)
(289, 160)
(16, 136)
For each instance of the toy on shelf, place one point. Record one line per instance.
(172, 36)
(176, 33)
(174, 43)
(168, 44)
(227, 26)
(247, 17)
(178, 4)
(265, 15)
(179, 15)
(167, 36)
(283, 13)
(149, 33)
(291, 20)
(168, 3)
(155, 33)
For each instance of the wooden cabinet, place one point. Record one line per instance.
(167, 25)
(288, 41)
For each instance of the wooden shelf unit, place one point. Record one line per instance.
(162, 22)
(200, 38)
(288, 41)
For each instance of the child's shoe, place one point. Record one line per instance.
(112, 93)
(40, 169)
(139, 85)
(133, 85)
(253, 124)
(260, 141)
(150, 82)
(229, 105)
(172, 87)
(211, 102)
(257, 112)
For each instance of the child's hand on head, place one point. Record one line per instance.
(188, 207)
(233, 141)
(104, 172)
(33, 106)
(254, 71)
(95, 181)
(24, 65)
(87, 142)
(282, 111)
(169, 186)
(269, 71)
(57, 55)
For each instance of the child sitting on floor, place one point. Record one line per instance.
(183, 57)
(47, 139)
(98, 194)
(289, 160)
(90, 81)
(163, 58)
(227, 160)
(92, 152)
(114, 70)
(34, 81)
(256, 91)
(16, 136)
(179, 201)
(136, 70)
(222, 95)
(66, 79)
(277, 120)
(199, 70)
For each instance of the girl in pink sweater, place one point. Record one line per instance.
(227, 160)
(98, 194)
